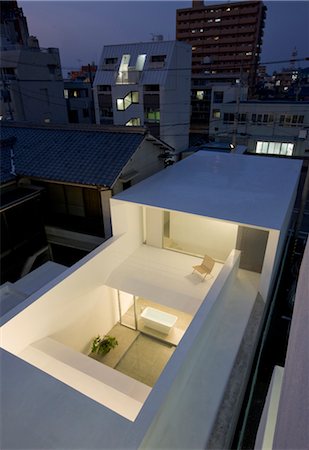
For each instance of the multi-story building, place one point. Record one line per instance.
(31, 78)
(146, 84)
(225, 38)
(269, 127)
(79, 98)
(207, 93)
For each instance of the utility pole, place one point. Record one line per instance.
(236, 115)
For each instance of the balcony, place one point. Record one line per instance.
(128, 77)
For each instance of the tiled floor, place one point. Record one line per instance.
(145, 359)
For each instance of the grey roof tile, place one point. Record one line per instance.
(75, 156)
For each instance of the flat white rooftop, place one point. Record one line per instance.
(245, 189)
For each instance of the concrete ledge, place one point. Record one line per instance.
(113, 389)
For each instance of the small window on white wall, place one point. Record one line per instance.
(275, 148)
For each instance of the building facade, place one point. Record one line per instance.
(146, 84)
(267, 127)
(31, 78)
(79, 99)
(225, 38)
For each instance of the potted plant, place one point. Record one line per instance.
(102, 345)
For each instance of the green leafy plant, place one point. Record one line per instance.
(102, 345)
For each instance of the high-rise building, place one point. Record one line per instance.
(225, 38)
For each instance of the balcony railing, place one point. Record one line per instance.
(128, 77)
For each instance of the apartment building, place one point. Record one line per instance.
(146, 84)
(185, 343)
(31, 78)
(226, 38)
(267, 127)
(79, 100)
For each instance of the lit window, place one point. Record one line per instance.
(228, 9)
(124, 103)
(66, 93)
(216, 38)
(248, 53)
(200, 95)
(120, 104)
(135, 122)
(216, 113)
(274, 148)
(217, 20)
(201, 30)
(152, 115)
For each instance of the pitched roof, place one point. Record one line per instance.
(76, 156)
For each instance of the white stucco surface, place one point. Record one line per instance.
(238, 188)
(164, 277)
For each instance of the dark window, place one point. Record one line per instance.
(104, 88)
(158, 58)
(110, 60)
(151, 87)
(218, 96)
(85, 112)
(242, 118)
(228, 118)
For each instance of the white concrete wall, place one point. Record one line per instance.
(94, 314)
(200, 375)
(52, 308)
(154, 227)
(202, 235)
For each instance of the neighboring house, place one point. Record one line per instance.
(31, 78)
(78, 95)
(269, 127)
(146, 84)
(75, 172)
(233, 208)
(22, 228)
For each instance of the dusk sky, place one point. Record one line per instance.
(80, 29)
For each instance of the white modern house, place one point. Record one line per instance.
(146, 84)
(266, 127)
(233, 208)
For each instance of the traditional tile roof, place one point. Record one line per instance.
(90, 157)
(6, 174)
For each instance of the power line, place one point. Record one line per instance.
(241, 63)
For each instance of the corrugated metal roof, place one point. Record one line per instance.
(74, 156)
(150, 75)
